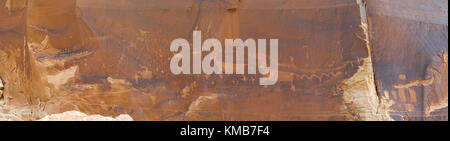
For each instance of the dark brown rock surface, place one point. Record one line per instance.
(409, 41)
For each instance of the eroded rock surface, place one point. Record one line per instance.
(78, 116)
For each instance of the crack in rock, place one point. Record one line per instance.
(360, 93)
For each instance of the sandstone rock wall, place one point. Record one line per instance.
(338, 59)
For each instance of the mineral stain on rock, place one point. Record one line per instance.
(2, 87)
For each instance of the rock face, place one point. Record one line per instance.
(7, 116)
(338, 60)
(409, 43)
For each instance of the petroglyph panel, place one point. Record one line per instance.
(338, 59)
(409, 40)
